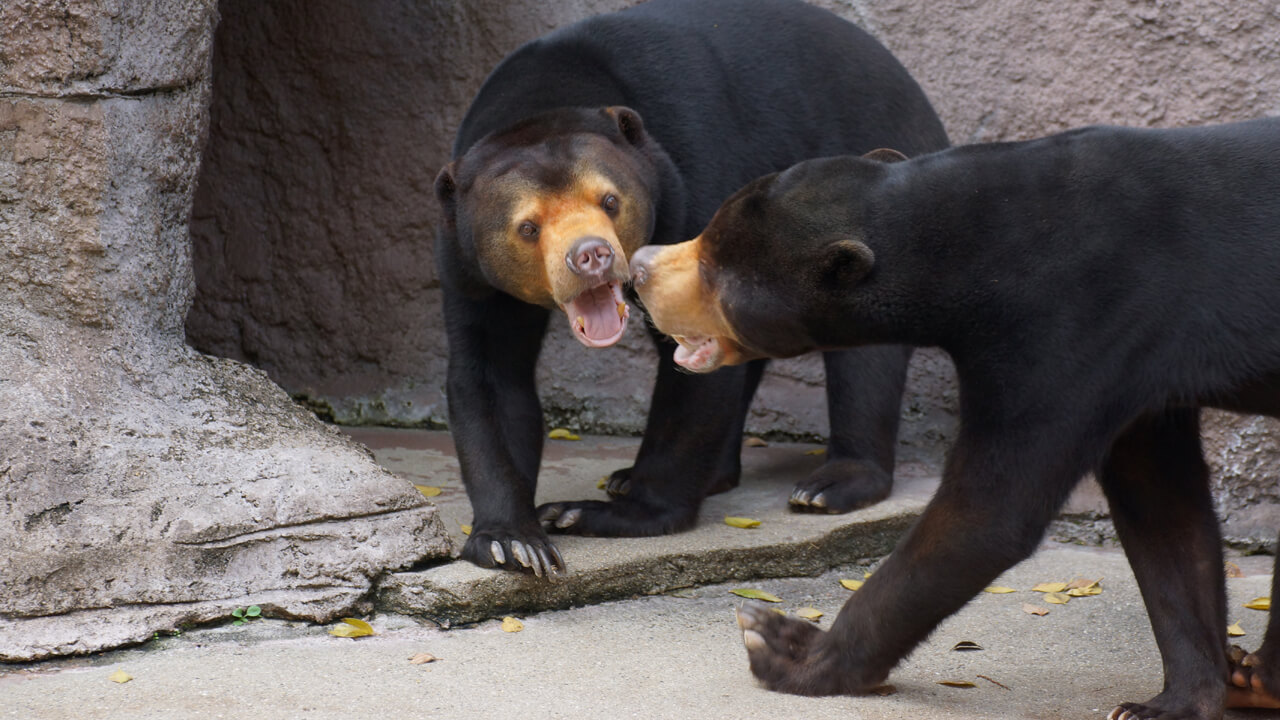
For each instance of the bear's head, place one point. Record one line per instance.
(550, 210)
(771, 274)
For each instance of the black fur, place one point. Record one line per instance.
(1095, 289)
(726, 90)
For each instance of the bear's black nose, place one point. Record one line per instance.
(590, 256)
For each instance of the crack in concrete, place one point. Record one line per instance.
(274, 533)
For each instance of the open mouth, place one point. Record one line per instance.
(698, 353)
(599, 316)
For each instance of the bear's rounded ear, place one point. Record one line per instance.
(847, 261)
(629, 123)
(446, 191)
(885, 155)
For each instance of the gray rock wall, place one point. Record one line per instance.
(144, 486)
(313, 216)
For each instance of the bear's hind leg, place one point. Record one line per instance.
(864, 399)
(691, 448)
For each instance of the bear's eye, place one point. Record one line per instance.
(527, 229)
(610, 203)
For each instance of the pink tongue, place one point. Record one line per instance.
(599, 312)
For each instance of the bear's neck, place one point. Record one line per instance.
(965, 241)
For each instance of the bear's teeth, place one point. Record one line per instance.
(622, 310)
(582, 323)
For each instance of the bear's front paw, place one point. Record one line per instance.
(528, 552)
(790, 655)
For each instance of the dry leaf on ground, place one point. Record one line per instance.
(753, 441)
(1057, 598)
(510, 624)
(1083, 583)
(809, 613)
(428, 491)
(466, 529)
(754, 594)
(119, 676)
(562, 434)
(964, 645)
(1259, 603)
(1234, 630)
(422, 659)
(852, 584)
(600, 484)
(958, 683)
(998, 589)
(1232, 570)
(816, 451)
(741, 522)
(1050, 587)
(1030, 609)
(351, 628)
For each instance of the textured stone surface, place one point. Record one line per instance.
(314, 213)
(143, 485)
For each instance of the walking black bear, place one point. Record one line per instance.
(1095, 290)
(626, 129)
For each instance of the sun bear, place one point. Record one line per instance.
(624, 130)
(1095, 289)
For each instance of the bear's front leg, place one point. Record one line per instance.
(996, 498)
(1157, 486)
(496, 421)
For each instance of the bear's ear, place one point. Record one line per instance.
(446, 192)
(629, 123)
(846, 262)
(885, 155)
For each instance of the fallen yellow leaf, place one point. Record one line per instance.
(756, 595)
(510, 624)
(1085, 591)
(428, 491)
(1259, 603)
(817, 451)
(1057, 598)
(852, 584)
(466, 529)
(1234, 630)
(999, 589)
(602, 482)
(1232, 570)
(351, 628)
(809, 613)
(1083, 583)
(562, 434)
(964, 645)
(422, 659)
(119, 676)
(1050, 587)
(1030, 609)
(753, 441)
(957, 683)
(741, 522)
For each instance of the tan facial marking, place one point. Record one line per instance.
(682, 305)
(562, 219)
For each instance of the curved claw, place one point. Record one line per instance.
(495, 549)
(569, 518)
